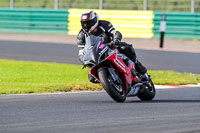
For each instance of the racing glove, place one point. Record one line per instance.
(115, 43)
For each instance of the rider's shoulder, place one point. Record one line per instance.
(104, 23)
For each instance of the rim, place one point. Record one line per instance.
(118, 87)
(150, 86)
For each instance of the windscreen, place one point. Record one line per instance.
(93, 40)
(91, 49)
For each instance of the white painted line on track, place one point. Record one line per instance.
(176, 86)
(163, 87)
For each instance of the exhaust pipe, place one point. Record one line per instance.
(134, 90)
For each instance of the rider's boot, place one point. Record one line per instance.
(138, 66)
(142, 70)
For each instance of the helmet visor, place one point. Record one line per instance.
(86, 25)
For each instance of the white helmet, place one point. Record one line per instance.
(89, 21)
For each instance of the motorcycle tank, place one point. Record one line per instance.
(93, 50)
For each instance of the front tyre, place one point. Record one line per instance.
(110, 86)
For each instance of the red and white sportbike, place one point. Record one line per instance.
(115, 71)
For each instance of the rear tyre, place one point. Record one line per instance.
(148, 92)
(109, 86)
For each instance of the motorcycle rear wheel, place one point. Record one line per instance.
(108, 86)
(148, 92)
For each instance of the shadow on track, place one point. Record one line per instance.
(153, 101)
(166, 101)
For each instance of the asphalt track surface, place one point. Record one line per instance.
(66, 53)
(172, 111)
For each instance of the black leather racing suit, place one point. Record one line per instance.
(106, 30)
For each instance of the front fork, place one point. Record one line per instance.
(114, 76)
(117, 83)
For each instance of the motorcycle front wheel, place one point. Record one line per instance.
(109, 86)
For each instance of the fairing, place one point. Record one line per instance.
(98, 55)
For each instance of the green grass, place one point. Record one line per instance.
(17, 77)
(34, 77)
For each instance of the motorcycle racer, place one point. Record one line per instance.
(92, 25)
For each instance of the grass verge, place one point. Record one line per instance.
(18, 77)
